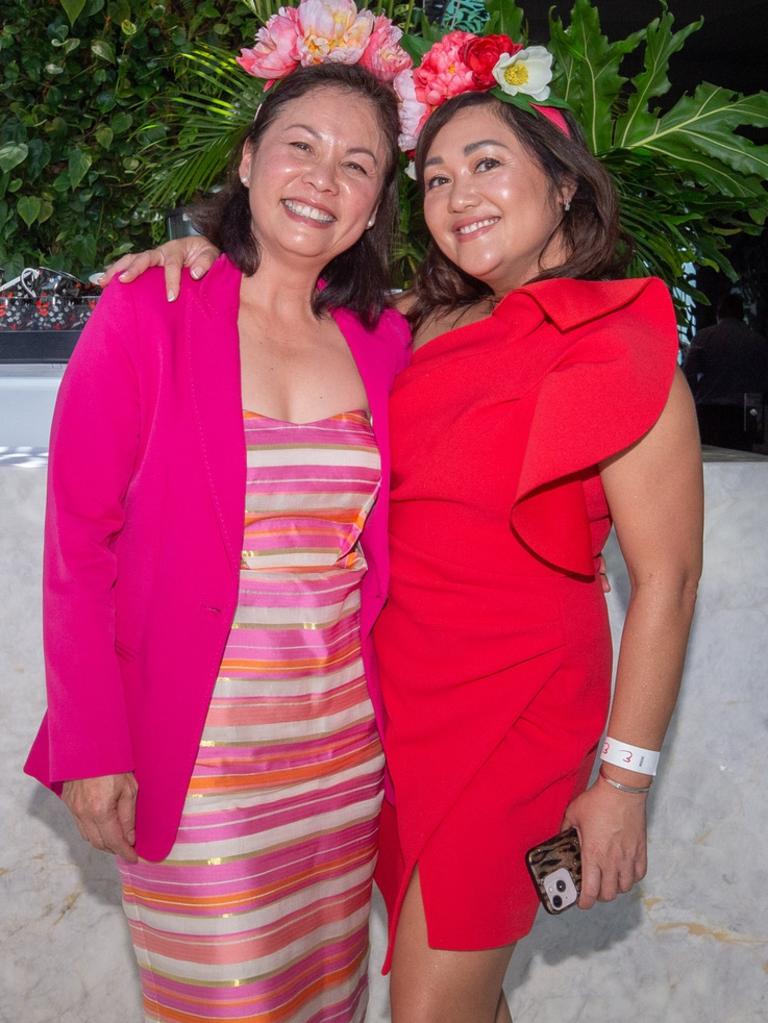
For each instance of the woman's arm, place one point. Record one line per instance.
(195, 252)
(94, 450)
(655, 494)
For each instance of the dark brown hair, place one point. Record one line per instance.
(357, 278)
(595, 246)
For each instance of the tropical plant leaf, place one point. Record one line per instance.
(12, 154)
(28, 207)
(588, 70)
(660, 43)
(73, 8)
(698, 134)
(506, 18)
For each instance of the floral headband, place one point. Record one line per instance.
(326, 32)
(462, 62)
(335, 31)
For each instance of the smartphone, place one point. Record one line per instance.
(555, 866)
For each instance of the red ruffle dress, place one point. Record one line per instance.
(494, 647)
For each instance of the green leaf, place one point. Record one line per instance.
(28, 208)
(78, 166)
(660, 43)
(104, 136)
(415, 47)
(12, 154)
(505, 18)
(104, 49)
(73, 9)
(46, 211)
(121, 122)
(698, 134)
(587, 70)
(128, 27)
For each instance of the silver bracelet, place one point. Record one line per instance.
(634, 790)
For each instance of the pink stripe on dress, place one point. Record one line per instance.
(260, 911)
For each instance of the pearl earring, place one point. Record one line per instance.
(244, 181)
(371, 222)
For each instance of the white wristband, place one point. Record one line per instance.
(633, 758)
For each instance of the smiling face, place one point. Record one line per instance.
(315, 177)
(488, 204)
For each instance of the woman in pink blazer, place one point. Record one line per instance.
(212, 575)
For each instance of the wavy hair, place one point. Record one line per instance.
(357, 278)
(594, 244)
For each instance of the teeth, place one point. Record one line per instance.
(477, 225)
(302, 210)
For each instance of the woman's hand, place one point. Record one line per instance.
(104, 809)
(611, 826)
(602, 572)
(195, 252)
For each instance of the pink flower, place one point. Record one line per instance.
(276, 52)
(332, 31)
(413, 113)
(443, 73)
(383, 55)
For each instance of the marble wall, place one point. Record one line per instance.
(689, 945)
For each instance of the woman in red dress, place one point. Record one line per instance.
(543, 402)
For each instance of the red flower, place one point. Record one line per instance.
(480, 56)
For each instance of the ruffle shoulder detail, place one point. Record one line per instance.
(616, 359)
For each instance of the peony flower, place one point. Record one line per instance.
(481, 54)
(276, 51)
(443, 73)
(332, 31)
(528, 72)
(383, 55)
(413, 113)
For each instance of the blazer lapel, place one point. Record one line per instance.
(214, 357)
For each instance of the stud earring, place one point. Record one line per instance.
(566, 205)
(370, 223)
(244, 181)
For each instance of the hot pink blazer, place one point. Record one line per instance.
(144, 527)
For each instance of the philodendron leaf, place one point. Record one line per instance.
(12, 154)
(660, 43)
(587, 67)
(505, 18)
(78, 166)
(104, 49)
(28, 208)
(73, 9)
(698, 134)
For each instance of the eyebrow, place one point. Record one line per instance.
(468, 150)
(358, 149)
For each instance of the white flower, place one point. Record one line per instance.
(528, 72)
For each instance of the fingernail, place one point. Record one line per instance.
(171, 295)
(197, 272)
(122, 276)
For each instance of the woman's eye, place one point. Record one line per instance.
(357, 168)
(487, 163)
(438, 179)
(303, 146)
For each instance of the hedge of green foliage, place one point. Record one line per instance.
(78, 79)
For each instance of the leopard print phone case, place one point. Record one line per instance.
(560, 853)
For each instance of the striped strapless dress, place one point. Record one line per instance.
(260, 911)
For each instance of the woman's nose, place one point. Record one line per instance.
(322, 175)
(463, 195)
